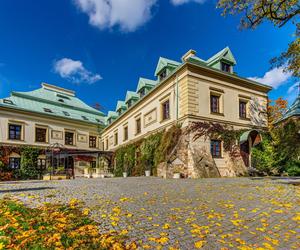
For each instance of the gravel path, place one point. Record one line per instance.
(232, 213)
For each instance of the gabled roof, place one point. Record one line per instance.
(60, 102)
(112, 114)
(121, 104)
(143, 82)
(163, 62)
(294, 110)
(223, 54)
(131, 95)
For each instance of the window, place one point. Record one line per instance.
(66, 113)
(47, 110)
(41, 164)
(93, 164)
(165, 110)
(138, 125)
(215, 148)
(163, 75)
(243, 109)
(15, 132)
(126, 133)
(93, 141)
(40, 134)
(63, 96)
(119, 111)
(142, 92)
(129, 103)
(116, 139)
(225, 67)
(214, 103)
(7, 101)
(14, 163)
(69, 138)
(84, 118)
(97, 120)
(106, 144)
(61, 100)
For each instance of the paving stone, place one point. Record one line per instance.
(224, 213)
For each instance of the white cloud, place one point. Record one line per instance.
(294, 87)
(74, 71)
(274, 78)
(180, 2)
(127, 15)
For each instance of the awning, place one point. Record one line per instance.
(255, 136)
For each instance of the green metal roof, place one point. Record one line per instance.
(131, 95)
(223, 54)
(163, 62)
(121, 104)
(57, 101)
(112, 114)
(143, 82)
(293, 110)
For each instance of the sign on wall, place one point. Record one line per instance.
(58, 135)
(150, 117)
(82, 138)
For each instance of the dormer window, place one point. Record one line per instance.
(163, 75)
(48, 110)
(129, 103)
(61, 100)
(225, 67)
(142, 92)
(66, 113)
(109, 120)
(97, 120)
(84, 118)
(119, 111)
(7, 101)
(63, 96)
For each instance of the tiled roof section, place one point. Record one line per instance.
(131, 95)
(163, 62)
(294, 109)
(121, 104)
(143, 82)
(53, 101)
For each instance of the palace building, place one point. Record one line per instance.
(188, 91)
(54, 120)
(182, 92)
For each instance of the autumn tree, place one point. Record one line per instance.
(279, 12)
(276, 110)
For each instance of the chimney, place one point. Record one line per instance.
(188, 54)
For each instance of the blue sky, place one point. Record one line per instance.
(101, 50)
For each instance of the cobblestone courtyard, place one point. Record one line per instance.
(237, 213)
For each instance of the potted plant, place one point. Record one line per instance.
(125, 166)
(176, 173)
(148, 169)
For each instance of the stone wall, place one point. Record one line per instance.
(192, 159)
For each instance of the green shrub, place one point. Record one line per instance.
(29, 158)
(293, 168)
(167, 144)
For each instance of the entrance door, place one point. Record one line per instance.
(245, 152)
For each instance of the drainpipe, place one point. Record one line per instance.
(177, 98)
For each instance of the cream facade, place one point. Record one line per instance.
(54, 120)
(194, 91)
